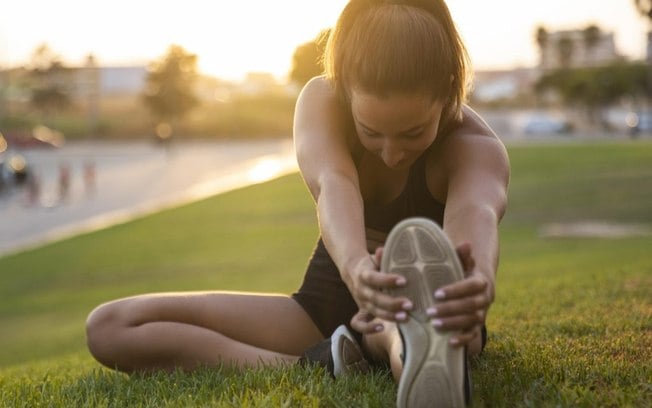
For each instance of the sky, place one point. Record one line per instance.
(234, 37)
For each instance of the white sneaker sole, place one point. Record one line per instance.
(347, 355)
(433, 371)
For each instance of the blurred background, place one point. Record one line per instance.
(89, 88)
(98, 69)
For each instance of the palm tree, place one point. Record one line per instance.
(645, 8)
(592, 35)
(541, 38)
(565, 51)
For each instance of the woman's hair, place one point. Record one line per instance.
(398, 46)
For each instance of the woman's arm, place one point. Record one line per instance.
(478, 177)
(328, 170)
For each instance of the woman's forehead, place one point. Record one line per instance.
(398, 111)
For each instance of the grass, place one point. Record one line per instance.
(571, 326)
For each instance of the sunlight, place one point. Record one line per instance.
(266, 169)
(230, 39)
(234, 38)
(3, 144)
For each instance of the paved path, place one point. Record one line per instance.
(130, 179)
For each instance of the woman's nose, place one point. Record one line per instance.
(392, 156)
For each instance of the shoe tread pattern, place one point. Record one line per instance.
(418, 250)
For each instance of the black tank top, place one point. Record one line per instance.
(414, 201)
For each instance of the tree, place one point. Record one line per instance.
(595, 88)
(541, 37)
(169, 92)
(307, 61)
(592, 34)
(48, 75)
(645, 8)
(565, 51)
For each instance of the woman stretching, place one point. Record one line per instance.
(385, 146)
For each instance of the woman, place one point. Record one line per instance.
(383, 137)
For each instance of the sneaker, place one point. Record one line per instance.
(434, 373)
(339, 355)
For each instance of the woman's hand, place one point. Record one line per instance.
(367, 287)
(463, 306)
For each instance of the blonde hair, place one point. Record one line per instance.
(393, 46)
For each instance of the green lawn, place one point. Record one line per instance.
(571, 326)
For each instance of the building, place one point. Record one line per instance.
(501, 85)
(587, 47)
(128, 80)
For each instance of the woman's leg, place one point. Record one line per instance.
(185, 330)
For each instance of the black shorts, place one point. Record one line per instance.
(325, 297)
(323, 294)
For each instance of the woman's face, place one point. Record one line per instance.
(396, 128)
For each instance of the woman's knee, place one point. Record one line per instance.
(103, 325)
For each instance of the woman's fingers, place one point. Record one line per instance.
(473, 285)
(470, 304)
(383, 305)
(459, 322)
(379, 280)
(465, 337)
(371, 294)
(464, 254)
(366, 323)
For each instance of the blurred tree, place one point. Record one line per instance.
(49, 81)
(541, 37)
(565, 51)
(645, 8)
(91, 91)
(169, 92)
(307, 61)
(595, 88)
(592, 34)
(43, 59)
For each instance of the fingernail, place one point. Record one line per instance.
(407, 305)
(401, 316)
(437, 323)
(439, 294)
(379, 328)
(431, 311)
(454, 341)
(400, 281)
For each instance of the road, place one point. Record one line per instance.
(86, 186)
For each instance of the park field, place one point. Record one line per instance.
(571, 325)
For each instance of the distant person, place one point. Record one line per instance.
(89, 177)
(33, 190)
(385, 145)
(64, 181)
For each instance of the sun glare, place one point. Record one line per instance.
(233, 38)
(230, 39)
(265, 169)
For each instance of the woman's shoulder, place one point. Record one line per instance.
(318, 86)
(472, 138)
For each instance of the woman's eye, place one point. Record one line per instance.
(414, 135)
(370, 133)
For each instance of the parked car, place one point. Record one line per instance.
(639, 122)
(544, 124)
(14, 169)
(39, 136)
